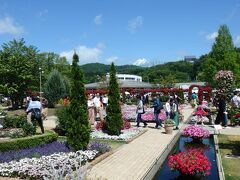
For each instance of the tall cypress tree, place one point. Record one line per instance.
(78, 131)
(114, 116)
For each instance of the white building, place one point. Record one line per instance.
(127, 77)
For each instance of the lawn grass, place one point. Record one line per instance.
(114, 144)
(230, 144)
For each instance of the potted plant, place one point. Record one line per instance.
(191, 163)
(181, 118)
(168, 126)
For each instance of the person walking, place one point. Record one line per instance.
(157, 106)
(140, 111)
(174, 113)
(91, 113)
(34, 110)
(235, 101)
(222, 112)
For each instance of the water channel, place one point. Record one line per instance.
(182, 145)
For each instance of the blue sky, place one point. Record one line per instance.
(141, 32)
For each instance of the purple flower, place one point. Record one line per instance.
(36, 151)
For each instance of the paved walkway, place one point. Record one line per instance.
(132, 161)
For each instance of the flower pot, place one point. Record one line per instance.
(168, 129)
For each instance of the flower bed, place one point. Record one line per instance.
(192, 162)
(196, 131)
(47, 167)
(37, 151)
(126, 135)
(50, 161)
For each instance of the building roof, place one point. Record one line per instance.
(122, 84)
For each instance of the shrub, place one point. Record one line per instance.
(14, 121)
(26, 142)
(62, 115)
(101, 147)
(20, 122)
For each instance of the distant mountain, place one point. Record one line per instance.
(181, 70)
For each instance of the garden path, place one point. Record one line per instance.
(132, 161)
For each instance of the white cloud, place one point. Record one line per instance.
(135, 23)
(98, 19)
(212, 36)
(8, 26)
(237, 40)
(112, 59)
(86, 54)
(141, 62)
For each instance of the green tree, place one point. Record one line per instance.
(54, 88)
(114, 115)
(78, 131)
(18, 70)
(223, 56)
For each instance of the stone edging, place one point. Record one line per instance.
(218, 158)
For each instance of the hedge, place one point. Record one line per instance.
(26, 142)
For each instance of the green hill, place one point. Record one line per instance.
(182, 71)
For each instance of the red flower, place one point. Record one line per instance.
(193, 162)
(237, 115)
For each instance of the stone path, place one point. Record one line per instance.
(132, 161)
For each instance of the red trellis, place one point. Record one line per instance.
(205, 91)
(134, 90)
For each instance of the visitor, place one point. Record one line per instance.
(222, 112)
(44, 108)
(140, 111)
(174, 113)
(157, 106)
(97, 105)
(167, 108)
(194, 98)
(91, 113)
(235, 101)
(34, 111)
(105, 101)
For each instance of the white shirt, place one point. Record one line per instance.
(33, 105)
(105, 100)
(140, 107)
(167, 107)
(97, 102)
(90, 103)
(236, 101)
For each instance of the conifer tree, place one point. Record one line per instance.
(114, 116)
(78, 128)
(54, 88)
